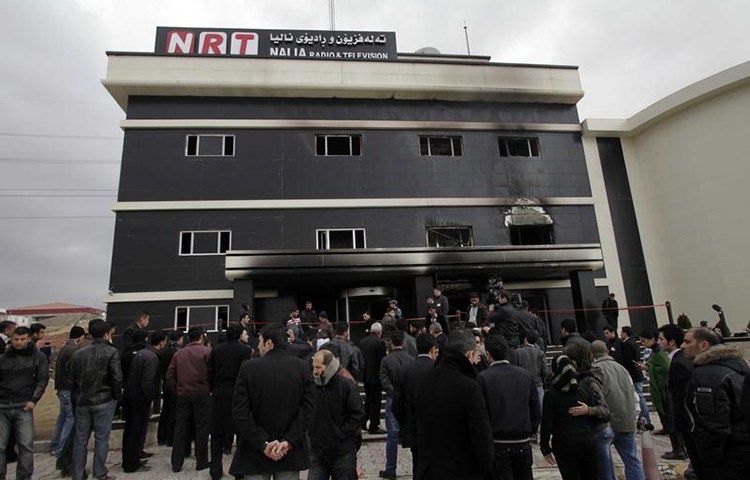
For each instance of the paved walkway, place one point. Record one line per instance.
(371, 460)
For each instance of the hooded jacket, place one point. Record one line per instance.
(23, 376)
(713, 401)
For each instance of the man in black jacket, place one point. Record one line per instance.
(23, 378)
(273, 404)
(141, 322)
(373, 352)
(714, 392)
(338, 417)
(224, 363)
(514, 409)
(680, 369)
(392, 367)
(64, 423)
(405, 392)
(505, 320)
(96, 378)
(453, 427)
(630, 358)
(142, 387)
(168, 412)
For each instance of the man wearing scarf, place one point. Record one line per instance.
(338, 417)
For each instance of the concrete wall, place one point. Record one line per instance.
(688, 174)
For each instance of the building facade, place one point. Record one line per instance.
(272, 181)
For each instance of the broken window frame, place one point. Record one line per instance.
(435, 232)
(532, 147)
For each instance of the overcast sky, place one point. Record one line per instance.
(60, 143)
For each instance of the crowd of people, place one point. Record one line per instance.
(468, 394)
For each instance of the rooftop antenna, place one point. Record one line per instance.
(466, 34)
(332, 14)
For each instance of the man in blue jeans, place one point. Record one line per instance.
(64, 423)
(96, 380)
(23, 378)
(618, 392)
(391, 368)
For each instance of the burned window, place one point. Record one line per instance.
(209, 146)
(529, 224)
(449, 237)
(519, 147)
(531, 235)
(338, 145)
(341, 238)
(440, 146)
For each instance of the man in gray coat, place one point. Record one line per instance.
(620, 396)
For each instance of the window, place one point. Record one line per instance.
(449, 237)
(341, 238)
(205, 242)
(209, 146)
(531, 235)
(446, 146)
(210, 317)
(343, 145)
(519, 147)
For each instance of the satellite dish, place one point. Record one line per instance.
(428, 51)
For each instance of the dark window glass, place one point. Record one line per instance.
(192, 145)
(223, 316)
(340, 239)
(229, 145)
(205, 242)
(320, 145)
(442, 146)
(359, 236)
(424, 146)
(224, 242)
(203, 317)
(519, 147)
(339, 146)
(211, 145)
(356, 145)
(181, 321)
(449, 237)
(186, 240)
(322, 240)
(532, 235)
(503, 147)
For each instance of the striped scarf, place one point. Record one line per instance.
(564, 373)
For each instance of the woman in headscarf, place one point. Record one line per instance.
(573, 448)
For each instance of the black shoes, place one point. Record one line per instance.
(674, 456)
(387, 475)
(140, 468)
(143, 455)
(377, 431)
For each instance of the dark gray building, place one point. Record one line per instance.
(271, 181)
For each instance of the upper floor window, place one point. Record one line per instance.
(449, 237)
(341, 238)
(519, 147)
(205, 242)
(433, 145)
(343, 145)
(209, 146)
(531, 235)
(211, 317)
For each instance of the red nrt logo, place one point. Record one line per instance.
(184, 42)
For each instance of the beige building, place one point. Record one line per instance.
(687, 159)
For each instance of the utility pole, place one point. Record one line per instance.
(466, 34)
(332, 14)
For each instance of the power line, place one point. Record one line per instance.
(52, 161)
(47, 135)
(67, 217)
